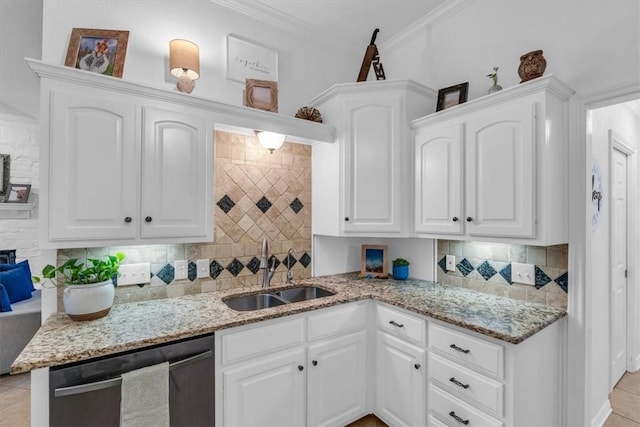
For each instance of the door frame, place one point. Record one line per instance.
(618, 143)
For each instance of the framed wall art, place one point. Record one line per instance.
(98, 51)
(452, 96)
(18, 193)
(375, 262)
(247, 60)
(261, 94)
(5, 161)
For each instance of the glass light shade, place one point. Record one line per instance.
(270, 140)
(184, 59)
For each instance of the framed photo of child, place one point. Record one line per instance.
(97, 51)
(18, 193)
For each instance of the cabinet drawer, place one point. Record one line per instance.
(434, 422)
(337, 320)
(444, 406)
(244, 344)
(401, 324)
(478, 389)
(474, 351)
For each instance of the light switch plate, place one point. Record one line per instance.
(451, 262)
(181, 268)
(523, 273)
(203, 267)
(134, 274)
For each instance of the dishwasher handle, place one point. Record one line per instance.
(113, 382)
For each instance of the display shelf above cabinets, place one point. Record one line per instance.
(496, 168)
(16, 210)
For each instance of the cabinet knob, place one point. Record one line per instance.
(346, 218)
(417, 366)
(469, 219)
(314, 362)
(454, 219)
(300, 368)
(148, 219)
(458, 419)
(127, 219)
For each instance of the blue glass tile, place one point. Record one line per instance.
(541, 278)
(289, 261)
(235, 267)
(192, 272)
(443, 264)
(563, 281)
(166, 274)
(305, 260)
(465, 267)
(486, 270)
(506, 274)
(296, 205)
(226, 204)
(254, 265)
(215, 269)
(263, 204)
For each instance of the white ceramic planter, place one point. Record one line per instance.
(88, 302)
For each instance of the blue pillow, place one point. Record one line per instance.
(25, 265)
(17, 284)
(5, 305)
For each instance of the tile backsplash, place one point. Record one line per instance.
(257, 195)
(486, 267)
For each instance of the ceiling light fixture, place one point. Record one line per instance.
(270, 140)
(184, 63)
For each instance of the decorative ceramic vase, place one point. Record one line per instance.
(496, 87)
(88, 302)
(400, 272)
(532, 65)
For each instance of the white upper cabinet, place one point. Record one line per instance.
(361, 185)
(496, 168)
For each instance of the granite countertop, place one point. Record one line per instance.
(131, 326)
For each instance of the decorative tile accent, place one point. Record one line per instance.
(443, 264)
(296, 205)
(226, 204)
(541, 278)
(506, 274)
(235, 267)
(465, 267)
(563, 281)
(486, 270)
(166, 274)
(263, 204)
(192, 273)
(289, 261)
(215, 269)
(254, 265)
(305, 260)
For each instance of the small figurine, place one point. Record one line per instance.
(494, 76)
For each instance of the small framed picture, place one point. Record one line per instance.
(98, 51)
(18, 193)
(261, 94)
(374, 261)
(452, 96)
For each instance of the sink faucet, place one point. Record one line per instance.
(268, 272)
(289, 274)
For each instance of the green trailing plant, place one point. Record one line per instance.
(494, 76)
(75, 272)
(400, 262)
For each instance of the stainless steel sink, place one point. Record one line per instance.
(303, 294)
(276, 298)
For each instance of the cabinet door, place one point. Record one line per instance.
(401, 382)
(337, 380)
(500, 184)
(372, 162)
(438, 185)
(93, 158)
(270, 392)
(177, 178)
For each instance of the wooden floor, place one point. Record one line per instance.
(15, 398)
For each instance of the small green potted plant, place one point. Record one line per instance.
(400, 268)
(88, 286)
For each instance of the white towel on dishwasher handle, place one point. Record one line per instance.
(144, 399)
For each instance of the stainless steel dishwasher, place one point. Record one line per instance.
(88, 393)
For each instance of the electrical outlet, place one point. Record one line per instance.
(451, 262)
(523, 273)
(181, 269)
(134, 274)
(203, 267)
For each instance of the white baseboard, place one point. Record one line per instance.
(602, 415)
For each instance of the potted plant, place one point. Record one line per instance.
(88, 287)
(400, 268)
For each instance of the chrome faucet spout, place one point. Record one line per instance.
(289, 256)
(267, 273)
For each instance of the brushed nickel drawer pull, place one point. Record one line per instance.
(458, 419)
(461, 350)
(394, 323)
(458, 383)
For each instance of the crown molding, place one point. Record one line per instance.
(634, 106)
(438, 15)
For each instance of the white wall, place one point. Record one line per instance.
(305, 68)
(625, 122)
